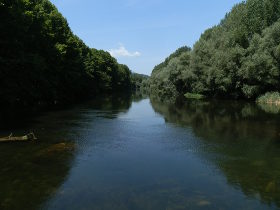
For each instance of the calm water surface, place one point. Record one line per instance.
(120, 154)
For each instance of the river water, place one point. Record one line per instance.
(134, 154)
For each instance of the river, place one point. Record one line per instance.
(133, 154)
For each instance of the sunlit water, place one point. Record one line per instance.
(124, 155)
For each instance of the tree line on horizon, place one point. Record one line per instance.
(238, 58)
(43, 62)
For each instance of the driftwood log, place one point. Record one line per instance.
(10, 138)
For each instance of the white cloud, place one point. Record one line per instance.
(123, 52)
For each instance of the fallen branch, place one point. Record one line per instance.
(28, 137)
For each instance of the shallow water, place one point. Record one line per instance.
(122, 154)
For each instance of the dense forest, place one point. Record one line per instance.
(140, 82)
(43, 62)
(238, 58)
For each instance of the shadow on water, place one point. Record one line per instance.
(30, 173)
(17, 117)
(241, 140)
(116, 153)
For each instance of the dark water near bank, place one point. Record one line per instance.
(124, 154)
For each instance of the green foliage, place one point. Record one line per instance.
(139, 82)
(239, 58)
(269, 98)
(270, 108)
(173, 55)
(269, 102)
(167, 78)
(194, 96)
(43, 62)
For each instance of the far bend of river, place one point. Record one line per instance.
(124, 154)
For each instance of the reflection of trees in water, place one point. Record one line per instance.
(31, 173)
(16, 118)
(110, 106)
(231, 121)
(243, 142)
(139, 95)
(270, 108)
(111, 102)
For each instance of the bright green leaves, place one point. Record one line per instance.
(167, 79)
(61, 49)
(240, 57)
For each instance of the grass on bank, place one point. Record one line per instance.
(194, 96)
(269, 98)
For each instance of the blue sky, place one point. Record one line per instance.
(142, 33)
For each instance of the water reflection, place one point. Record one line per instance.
(31, 173)
(240, 139)
(270, 108)
(117, 153)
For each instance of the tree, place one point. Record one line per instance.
(43, 62)
(238, 58)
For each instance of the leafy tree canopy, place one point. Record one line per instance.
(238, 58)
(42, 61)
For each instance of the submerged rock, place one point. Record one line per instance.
(203, 203)
(56, 149)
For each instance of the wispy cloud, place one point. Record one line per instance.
(123, 52)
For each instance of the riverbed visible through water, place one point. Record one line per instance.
(142, 154)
